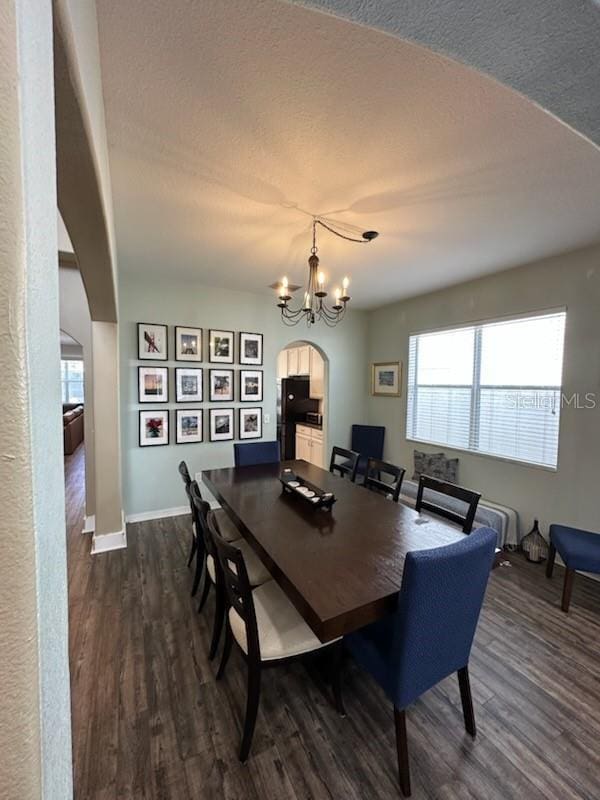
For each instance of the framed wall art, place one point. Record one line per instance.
(152, 341)
(188, 384)
(154, 428)
(188, 344)
(220, 347)
(251, 385)
(251, 349)
(221, 424)
(188, 425)
(385, 379)
(153, 385)
(250, 423)
(221, 385)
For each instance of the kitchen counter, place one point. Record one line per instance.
(310, 425)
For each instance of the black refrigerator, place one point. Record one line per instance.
(292, 404)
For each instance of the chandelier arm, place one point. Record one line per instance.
(341, 235)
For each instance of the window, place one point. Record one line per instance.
(71, 373)
(492, 388)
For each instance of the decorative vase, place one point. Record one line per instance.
(534, 545)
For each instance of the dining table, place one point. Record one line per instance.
(341, 568)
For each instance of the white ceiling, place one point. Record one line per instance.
(228, 121)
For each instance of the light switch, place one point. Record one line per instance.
(267, 419)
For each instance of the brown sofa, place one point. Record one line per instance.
(72, 426)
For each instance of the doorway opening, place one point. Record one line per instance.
(302, 402)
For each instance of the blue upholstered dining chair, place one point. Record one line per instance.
(248, 454)
(368, 441)
(429, 636)
(580, 550)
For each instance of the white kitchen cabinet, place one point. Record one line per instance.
(292, 361)
(304, 360)
(303, 447)
(317, 375)
(309, 444)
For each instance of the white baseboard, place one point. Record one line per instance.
(159, 513)
(104, 542)
(89, 524)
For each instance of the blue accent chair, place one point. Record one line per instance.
(580, 550)
(429, 636)
(368, 441)
(249, 454)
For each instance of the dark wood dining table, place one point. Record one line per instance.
(342, 569)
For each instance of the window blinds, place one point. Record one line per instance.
(491, 388)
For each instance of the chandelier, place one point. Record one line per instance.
(314, 308)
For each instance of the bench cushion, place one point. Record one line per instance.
(578, 549)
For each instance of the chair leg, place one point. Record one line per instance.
(200, 568)
(251, 708)
(205, 591)
(550, 562)
(218, 623)
(226, 651)
(467, 701)
(192, 551)
(567, 589)
(337, 657)
(402, 748)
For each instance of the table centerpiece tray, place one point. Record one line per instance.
(312, 495)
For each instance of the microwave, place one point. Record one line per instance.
(314, 418)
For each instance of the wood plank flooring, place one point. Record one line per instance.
(149, 720)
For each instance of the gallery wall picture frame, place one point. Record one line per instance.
(250, 423)
(153, 384)
(386, 378)
(250, 348)
(154, 427)
(188, 425)
(189, 384)
(251, 385)
(221, 385)
(221, 346)
(188, 343)
(220, 424)
(153, 344)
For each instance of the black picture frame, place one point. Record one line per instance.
(218, 359)
(141, 398)
(163, 412)
(229, 398)
(146, 356)
(185, 357)
(244, 411)
(199, 412)
(212, 413)
(258, 398)
(179, 398)
(243, 359)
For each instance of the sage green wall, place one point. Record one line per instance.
(150, 478)
(573, 280)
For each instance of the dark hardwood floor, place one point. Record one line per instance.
(149, 720)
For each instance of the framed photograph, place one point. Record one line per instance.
(188, 428)
(221, 424)
(221, 385)
(153, 385)
(188, 344)
(251, 349)
(250, 420)
(152, 342)
(385, 379)
(154, 428)
(188, 384)
(220, 347)
(251, 385)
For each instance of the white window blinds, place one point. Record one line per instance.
(492, 388)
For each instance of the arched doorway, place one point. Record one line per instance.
(302, 402)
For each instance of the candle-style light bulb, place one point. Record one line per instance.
(321, 279)
(345, 284)
(337, 295)
(284, 285)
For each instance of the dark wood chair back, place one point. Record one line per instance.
(470, 498)
(185, 473)
(377, 470)
(237, 585)
(348, 464)
(200, 509)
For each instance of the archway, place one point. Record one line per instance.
(303, 402)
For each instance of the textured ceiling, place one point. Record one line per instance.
(227, 122)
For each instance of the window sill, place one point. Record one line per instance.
(505, 459)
